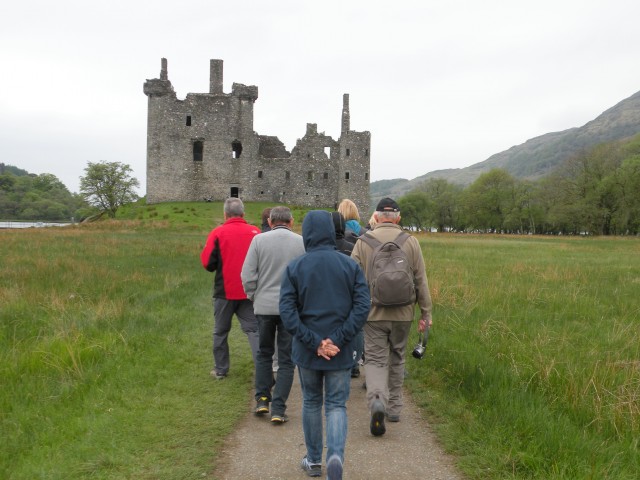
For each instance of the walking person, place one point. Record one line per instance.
(324, 301)
(387, 329)
(224, 253)
(349, 211)
(268, 255)
(346, 247)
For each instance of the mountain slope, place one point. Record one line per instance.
(538, 156)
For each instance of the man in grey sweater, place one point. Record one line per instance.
(268, 255)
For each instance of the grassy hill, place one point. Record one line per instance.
(538, 156)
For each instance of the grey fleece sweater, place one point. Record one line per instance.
(268, 255)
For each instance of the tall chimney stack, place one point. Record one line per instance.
(163, 70)
(346, 117)
(215, 77)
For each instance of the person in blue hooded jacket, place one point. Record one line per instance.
(324, 303)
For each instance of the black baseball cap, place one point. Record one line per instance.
(387, 205)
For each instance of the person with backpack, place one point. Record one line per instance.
(393, 265)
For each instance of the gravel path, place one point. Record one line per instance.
(408, 450)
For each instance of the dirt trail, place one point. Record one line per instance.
(258, 450)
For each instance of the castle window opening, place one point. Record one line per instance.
(346, 176)
(326, 175)
(310, 175)
(366, 176)
(366, 152)
(348, 152)
(259, 173)
(188, 120)
(233, 193)
(236, 149)
(287, 175)
(198, 150)
(327, 151)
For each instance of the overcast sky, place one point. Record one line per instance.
(439, 84)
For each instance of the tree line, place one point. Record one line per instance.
(596, 192)
(103, 189)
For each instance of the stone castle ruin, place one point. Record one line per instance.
(204, 147)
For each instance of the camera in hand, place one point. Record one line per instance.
(418, 351)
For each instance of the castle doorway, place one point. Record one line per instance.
(234, 192)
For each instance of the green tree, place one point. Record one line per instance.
(416, 210)
(108, 186)
(489, 200)
(443, 198)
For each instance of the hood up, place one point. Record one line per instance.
(318, 230)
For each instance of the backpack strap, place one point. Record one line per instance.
(401, 238)
(370, 240)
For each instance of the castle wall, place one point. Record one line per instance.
(204, 147)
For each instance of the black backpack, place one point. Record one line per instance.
(389, 272)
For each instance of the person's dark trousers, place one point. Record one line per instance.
(272, 331)
(359, 349)
(223, 311)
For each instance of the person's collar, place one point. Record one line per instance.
(276, 227)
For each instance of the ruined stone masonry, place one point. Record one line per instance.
(204, 148)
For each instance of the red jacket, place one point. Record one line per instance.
(224, 253)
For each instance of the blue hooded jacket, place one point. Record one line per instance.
(324, 294)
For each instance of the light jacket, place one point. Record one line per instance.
(268, 255)
(224, 253)
(386, 232)
(323, 295)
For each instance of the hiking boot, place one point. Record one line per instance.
(392, 418)
(311, 469)
(262, 406)
(334, 468)
(355, 372)
(377, 418)
(279, 419)
(218, 376)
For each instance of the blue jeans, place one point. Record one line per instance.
(270, 331)
(337, 385)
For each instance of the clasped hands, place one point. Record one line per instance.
(327, 349)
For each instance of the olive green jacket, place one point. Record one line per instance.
(387, 232)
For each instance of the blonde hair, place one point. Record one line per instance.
(373, 221)
(349, 210)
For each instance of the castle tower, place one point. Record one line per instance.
(353, 162)
(346, 117)
(215, 77)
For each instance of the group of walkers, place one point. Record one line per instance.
(324, 302)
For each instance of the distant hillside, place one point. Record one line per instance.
(536, 157)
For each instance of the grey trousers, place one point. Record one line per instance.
(385, 343)
(223, 311)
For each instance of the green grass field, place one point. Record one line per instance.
(532, 367)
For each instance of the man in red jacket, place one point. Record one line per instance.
(224, 253)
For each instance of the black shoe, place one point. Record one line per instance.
(334, 468)
(262, 406)
(355, 372)
(377, 418)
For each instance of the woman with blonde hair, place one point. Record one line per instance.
(372, 222)
(350, 213)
